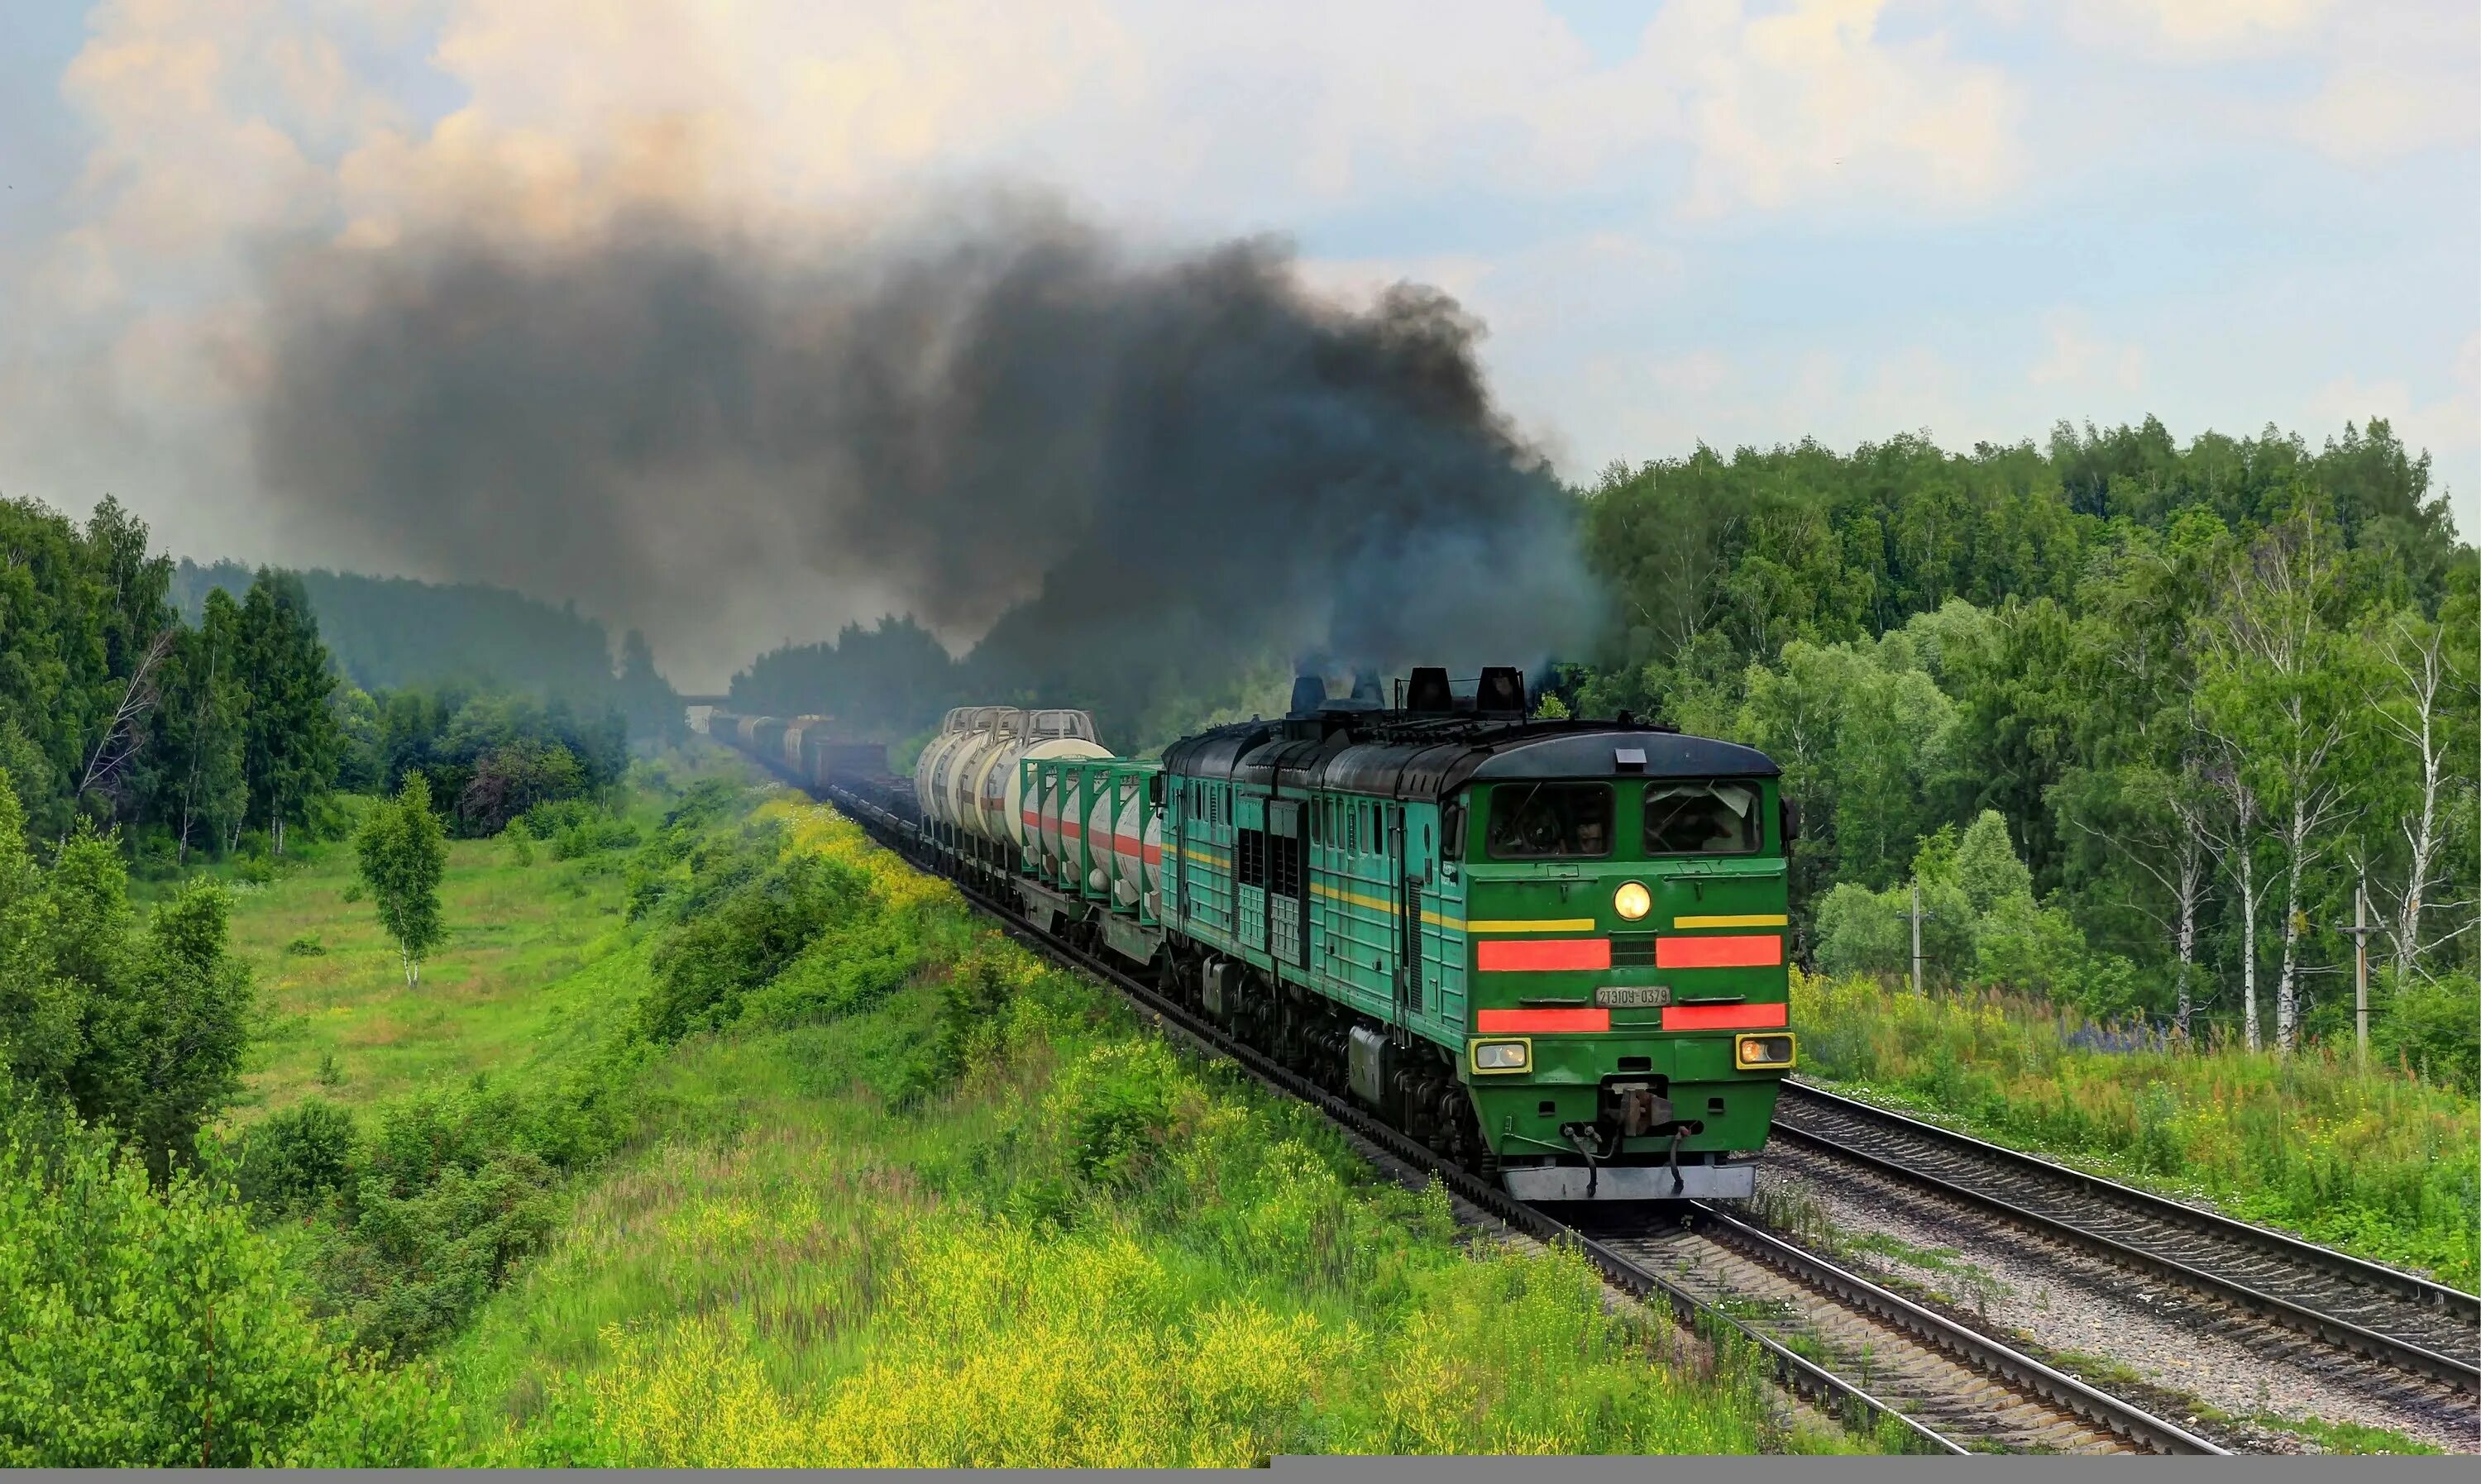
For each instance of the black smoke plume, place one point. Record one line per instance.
(1132, 478)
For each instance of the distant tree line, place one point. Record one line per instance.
(2140, 719)
(393, 633)
(237, 726)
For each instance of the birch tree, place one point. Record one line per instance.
(2411, 685)
(2273, 693)
(402, 855)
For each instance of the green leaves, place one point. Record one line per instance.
(402, 855)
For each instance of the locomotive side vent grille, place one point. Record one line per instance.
(1632, 950)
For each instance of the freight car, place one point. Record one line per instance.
(1554, 950)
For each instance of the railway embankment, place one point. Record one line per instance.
(910, 1194)
(730, 1138)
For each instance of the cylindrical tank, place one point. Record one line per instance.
(1136, 849)
(1003, 801)
(767, 740)
(963, 802)
(941, 782)
(1101, 810)
(795, 732)
(1054, 788)
(951, 727)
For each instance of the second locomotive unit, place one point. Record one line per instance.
(1552, 950)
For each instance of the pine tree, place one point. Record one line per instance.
(291, 742)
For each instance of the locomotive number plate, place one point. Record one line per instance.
(1624, 997)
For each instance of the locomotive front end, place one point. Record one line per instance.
(1628, 976)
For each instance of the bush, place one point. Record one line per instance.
(2432, 1029)
(305, 946)
(450, 1189)
(298, 1155)
(718, 956)
(160, 1329)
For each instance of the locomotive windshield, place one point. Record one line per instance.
(1550, 822)
(1701, 819)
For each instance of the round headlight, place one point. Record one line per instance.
(1633, 902)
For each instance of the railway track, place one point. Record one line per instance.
(2398, 1319)
(1861, 1352)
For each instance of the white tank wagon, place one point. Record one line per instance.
(937, 786)
(1136, 840)
(1096, 828)
(963, 802)
(1000, 792)
(926, 763)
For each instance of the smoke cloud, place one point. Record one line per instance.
(1123, 473)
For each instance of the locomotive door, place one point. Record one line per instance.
(1413, 869)
(1249, 871)
(1287, 882)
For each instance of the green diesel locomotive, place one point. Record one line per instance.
(1554, 950)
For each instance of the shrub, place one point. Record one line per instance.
(149, 1327)
(298, 1155)
(2432, 1030)
(716, 958)
(305, 946)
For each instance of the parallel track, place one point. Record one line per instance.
(2398, 1319)
(1945, 1388)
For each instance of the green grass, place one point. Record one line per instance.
(1090, 1251)
(537, 966)
(980, 1216)
(2374, 1163)
(2347, 1437)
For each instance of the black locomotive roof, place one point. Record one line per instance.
(1399, 756)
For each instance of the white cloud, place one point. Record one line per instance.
(2447, 423)
(2198, 29)
(2076, 357)
(1813, 102)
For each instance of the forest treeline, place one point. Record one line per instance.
(2140, 717)
(394, 633)
(234, 727)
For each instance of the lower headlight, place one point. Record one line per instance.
(1502, 1055)
(1763, 1052)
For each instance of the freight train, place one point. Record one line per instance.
(1551, 950)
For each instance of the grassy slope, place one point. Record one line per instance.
(536, 966)
(2375, 1163)
(818, 1252)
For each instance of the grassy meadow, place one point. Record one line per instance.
(2371, 1161)
(749, 1145)
(536, 966)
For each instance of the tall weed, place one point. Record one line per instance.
(2368, 1160)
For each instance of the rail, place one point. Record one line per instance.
(2230, 1260)
(1797, 1373)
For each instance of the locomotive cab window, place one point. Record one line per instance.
(1701, 819)
(1537, 822)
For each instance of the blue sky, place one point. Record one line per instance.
(1705, 220)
